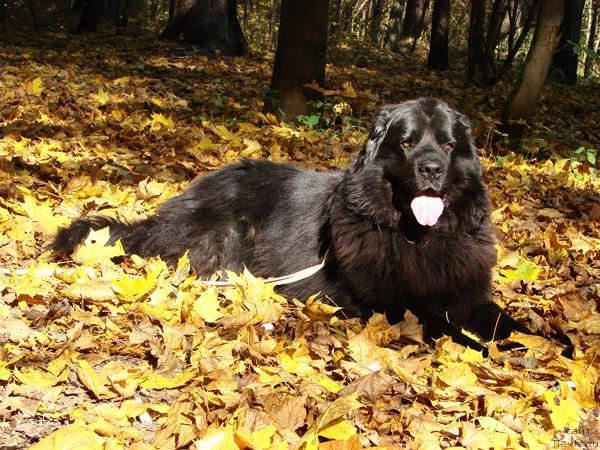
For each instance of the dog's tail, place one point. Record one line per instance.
(67, 239)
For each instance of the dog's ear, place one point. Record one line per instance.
(378, 132)
(466, 125)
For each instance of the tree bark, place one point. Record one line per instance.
(514, 49)
(212, 25)
(172, 6)
(545, 39)
(375, 28)
(591, 44)
(335, 15)
(565, 59)
(393, 32)
(300, 57)
(412, 27)
(476, 39)
(488, 67)
(92, 13)
(438, 48)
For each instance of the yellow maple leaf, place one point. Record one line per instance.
(348, 90)
(220, 439)
(207, 306)
(252, 147)
(158, 122)
(262, 438)
(39, 378)
(102, 97)
(94, 381)
(42, 214)
(564, 409)
(340, 407)
(34, 87)
(224, 133)
(72, 437)
(340, 430)
(95, 249)
(131, 288)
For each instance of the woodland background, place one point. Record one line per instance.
(113, 106)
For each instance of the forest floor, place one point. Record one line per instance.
(105, 353)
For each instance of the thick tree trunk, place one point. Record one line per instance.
(565, 59)
(393, 32)
(535, 71)
(438, 48)
(92, 13)
(375, 26)
(300, 56)
(209, 24)
(413, 19)
(476, 40)
(591, 44)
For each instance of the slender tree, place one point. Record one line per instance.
(591, 44)
(300, 56)
(493, 37)
(476, 39)
(513, 49)
(393, 33)
(172, 8)
(413, 19)
(377, 17)
(438, 48)
(545, 39)
(565, 59)
(209, 24)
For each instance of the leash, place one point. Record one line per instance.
(277, 281)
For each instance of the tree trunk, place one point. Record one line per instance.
(92, 13)
(393, 32)
(476, 38)
(375, 28)
(438, 48)
(335, 15)
(180, 20)
(300, 56)
(591, 44)
(412, 27)
(488, 67)
(209, 24)
(514, 49)
(172, 6)
(535, 71)
(513, 18)
(565, 59)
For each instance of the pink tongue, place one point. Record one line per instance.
(427, 210)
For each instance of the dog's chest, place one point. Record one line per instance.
(381, 265)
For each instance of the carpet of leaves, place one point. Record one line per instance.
(108, 351)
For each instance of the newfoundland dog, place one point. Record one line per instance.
(407, 226)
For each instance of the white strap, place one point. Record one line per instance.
(277, 281)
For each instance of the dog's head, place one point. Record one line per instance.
(424, 150)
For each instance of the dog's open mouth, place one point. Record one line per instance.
(427, 209)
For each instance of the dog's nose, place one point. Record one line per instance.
(432, 170)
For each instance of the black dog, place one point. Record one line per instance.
(407, 226)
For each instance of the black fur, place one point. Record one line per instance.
(276, 219)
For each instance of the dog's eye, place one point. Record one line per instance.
(406, 144)
(448, 146)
